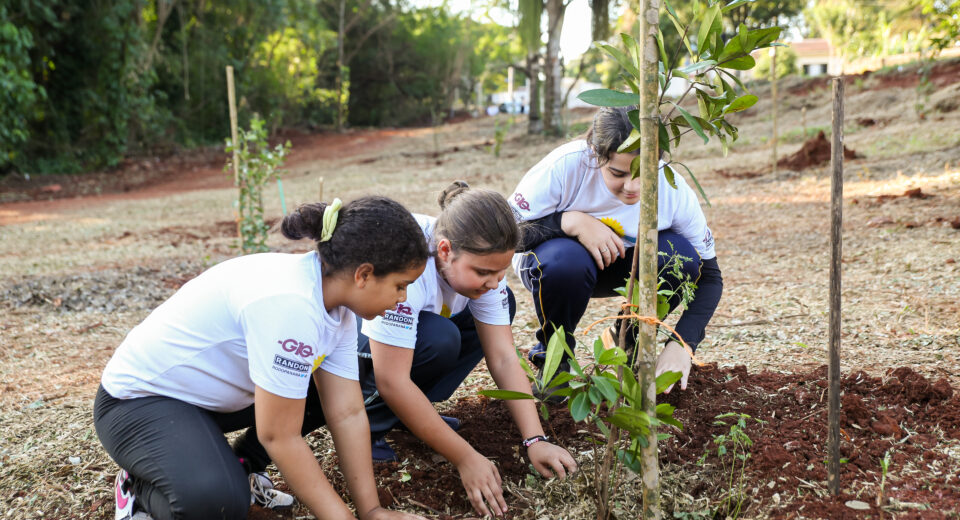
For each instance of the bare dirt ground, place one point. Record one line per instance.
(83, 259)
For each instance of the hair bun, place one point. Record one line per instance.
(451, 192)
(305, 222)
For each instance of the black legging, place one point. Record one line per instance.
(180, 461)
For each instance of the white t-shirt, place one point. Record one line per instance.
(253, 320)
(430, 292)
(567, 179)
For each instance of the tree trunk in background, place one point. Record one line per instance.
(601, 19)
(649, 18)
(339, 86)
(534, 121)
(553, 91)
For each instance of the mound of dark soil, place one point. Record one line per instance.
(814, 152)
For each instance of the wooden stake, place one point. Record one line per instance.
(836, 234)
(232, 100)
(803, 119)
(320, 191)
(773, 98)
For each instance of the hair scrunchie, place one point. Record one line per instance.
(330, 214)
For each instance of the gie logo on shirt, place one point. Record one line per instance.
(296, 347)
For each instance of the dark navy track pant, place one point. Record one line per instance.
(447, 349)
(563, 277)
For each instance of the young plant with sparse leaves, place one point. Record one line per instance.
(257, 164)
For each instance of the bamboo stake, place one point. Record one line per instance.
(232, 100)
(320, 190)
(836, 236)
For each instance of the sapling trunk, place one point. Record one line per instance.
(647, 170)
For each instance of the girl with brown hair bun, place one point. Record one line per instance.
(455, 314)
(257, 340)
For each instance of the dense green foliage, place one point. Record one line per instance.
(88, 82)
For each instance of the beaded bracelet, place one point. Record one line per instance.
(535, 439)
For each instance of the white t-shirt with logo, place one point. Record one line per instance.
(430, 292)
(253, 320)
(568, 179)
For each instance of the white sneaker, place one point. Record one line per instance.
(125, 499)
(263, 493)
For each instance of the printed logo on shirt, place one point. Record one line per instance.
(614, 224)
(404, 309)
(521, 202)
(290, 366)
(296, 347)
(708, 239)
(395, 319)
(505, 302)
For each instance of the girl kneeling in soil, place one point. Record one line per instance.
(579, 202)
(235, 348)
(457, 313)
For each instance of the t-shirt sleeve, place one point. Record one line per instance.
(398, 326)
(540, 191)
(342, 361)
(688, 219)
(282, 339)
(493, 308)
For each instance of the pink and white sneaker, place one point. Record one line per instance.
(125, 499)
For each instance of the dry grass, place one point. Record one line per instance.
(900, 277)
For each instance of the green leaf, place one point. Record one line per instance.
(741, 103)
(666, 379)
(614, 356)
(668, 174)
(405, 477)
(692, 122)
(733, 48)
(706, 27)
(633, 51)
(508, 395)
(603, 97)
(693, 67)
(742, 63)
(632, 142)
(695, 181)
(631, 83)
(663, 306)
(631, 420)
(625, 61)
(734, 4)
(554, 354)
(606, 388)
(663, 53)
(761, 38)
(597, 347)
(635, 165)
(634, 117)
(580, 407)
(630, 461)
(561, 378)
(663, 139)
(595, 396)
(742, 36)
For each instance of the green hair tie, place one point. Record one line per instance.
(330, 214)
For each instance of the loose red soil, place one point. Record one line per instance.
(814, 152)
(903, 413)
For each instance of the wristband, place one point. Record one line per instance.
(535, 439)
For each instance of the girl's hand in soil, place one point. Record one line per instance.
(551, 460)
(674, 358)
(603, 243)
(380, 513)
(482, 481)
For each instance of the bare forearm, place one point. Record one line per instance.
(293, 458)
(352, 441)
(508, 375)
(412, 407)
